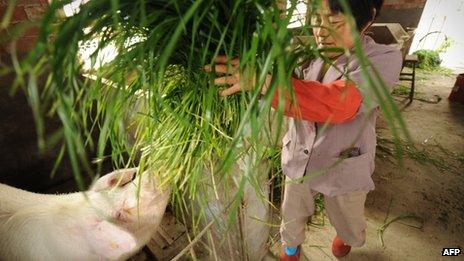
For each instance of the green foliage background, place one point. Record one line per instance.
(428, 59)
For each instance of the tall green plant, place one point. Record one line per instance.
(153, 105)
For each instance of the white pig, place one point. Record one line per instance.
(111, 221)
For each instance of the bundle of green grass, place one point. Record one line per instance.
(162, 47)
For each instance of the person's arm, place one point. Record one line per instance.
(338, 102)
(388, 64)
(334, 102)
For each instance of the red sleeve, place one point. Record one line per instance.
(334, 102)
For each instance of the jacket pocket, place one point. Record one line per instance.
(353, 172)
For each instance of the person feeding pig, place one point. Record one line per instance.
(332, 114)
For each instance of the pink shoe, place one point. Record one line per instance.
(339, 248)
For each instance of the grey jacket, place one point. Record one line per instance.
(313, 149)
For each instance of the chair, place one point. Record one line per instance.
(409, 60)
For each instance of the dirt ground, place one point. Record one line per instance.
(425, 196)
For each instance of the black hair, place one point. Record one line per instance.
(362, 10)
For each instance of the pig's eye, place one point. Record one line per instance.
(112, 182)
(134, 176)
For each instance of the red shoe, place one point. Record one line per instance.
(285, 257)
(339, 248)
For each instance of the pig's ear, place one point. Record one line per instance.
(117, 178)
(110, 241)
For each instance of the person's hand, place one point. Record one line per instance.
(230, 75)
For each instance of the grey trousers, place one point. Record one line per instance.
(346, 214)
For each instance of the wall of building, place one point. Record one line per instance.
(21, 164)
(23, 11)
(441, 20)
(405, 12)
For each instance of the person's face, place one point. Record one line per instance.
(331, 29)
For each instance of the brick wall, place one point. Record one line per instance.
(24, 11)
(405, 12)
(404, 4)
(21, 164)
